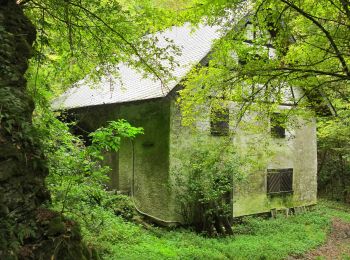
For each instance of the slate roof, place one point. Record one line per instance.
(131, 85)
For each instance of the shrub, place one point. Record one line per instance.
(206, 174)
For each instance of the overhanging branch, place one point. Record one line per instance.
(327, 34)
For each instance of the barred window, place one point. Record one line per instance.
(219, 122)
(279, 180)
(277, 128)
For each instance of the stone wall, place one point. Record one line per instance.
(22, 171)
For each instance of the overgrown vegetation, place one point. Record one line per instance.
(77, 186)
(78, 180)
(312, 49)
(334, 150)
(206, 176)
(255, 238)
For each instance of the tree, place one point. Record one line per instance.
(334, 157)
(80, 38)
(280, 45)
(73, 38)
(206, 176)
(311, 44)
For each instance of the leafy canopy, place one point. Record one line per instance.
(80, 38)
(280, 46)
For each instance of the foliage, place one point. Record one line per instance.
(206, 177)
(75, 39)
(77, 179)
(76, 36)
(334, 156)
(255, 238)
(108, 138)
(285, 45)
(80, 38)
(298, 48)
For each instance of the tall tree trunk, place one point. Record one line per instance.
(27, 231)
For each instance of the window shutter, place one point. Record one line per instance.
(279, 180)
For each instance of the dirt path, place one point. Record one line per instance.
(337, 245)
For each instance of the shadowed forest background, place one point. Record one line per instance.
(54, 201)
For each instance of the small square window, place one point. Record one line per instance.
(219, 122)
(277, 129)
(279, 181)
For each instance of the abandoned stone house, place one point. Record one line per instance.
(288, 180)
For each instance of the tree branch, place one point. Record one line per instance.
(320, 72)
(345, 5)
(134, 49)
(327, 34)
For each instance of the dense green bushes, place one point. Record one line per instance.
(77, 186)
(255, 238)
(334, 156)
(77, 179)
(206, 174)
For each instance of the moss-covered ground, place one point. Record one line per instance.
(255, 238)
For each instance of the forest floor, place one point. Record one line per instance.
(321, 233)
(337, 245)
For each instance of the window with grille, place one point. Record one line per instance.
(219, 122)
(277, 128)
(279, 181)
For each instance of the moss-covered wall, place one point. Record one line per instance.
(152, 191)
(182, 139)
(158, 153)
(297, 151)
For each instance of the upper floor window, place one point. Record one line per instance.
(277, 125)
(219, 121)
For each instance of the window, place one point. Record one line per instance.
(277, 129)
(219, 122)
(279, 181)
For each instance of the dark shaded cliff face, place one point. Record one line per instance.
(27, 231)
(22, 171)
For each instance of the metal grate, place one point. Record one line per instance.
(279, 180)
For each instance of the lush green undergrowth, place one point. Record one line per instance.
(256, 238)
(77, 184)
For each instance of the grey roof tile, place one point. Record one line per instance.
(131, 85)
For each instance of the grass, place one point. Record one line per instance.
(255, 239)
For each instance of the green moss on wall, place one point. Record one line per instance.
(152, 191)
(158, 152)
(297, 151)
